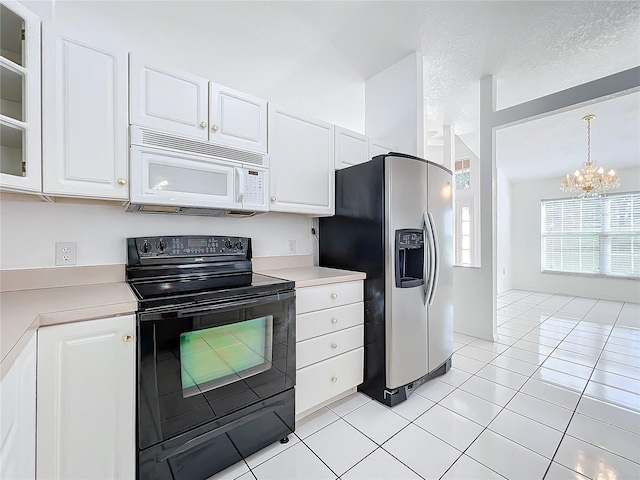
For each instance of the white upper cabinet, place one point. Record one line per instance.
(301, 164)
(185, 104)
(378, 148)
(20, 131)
(18, 417)
(85, 128)
(169, 100)
(351, 148)
(237, 119)
(86, 400)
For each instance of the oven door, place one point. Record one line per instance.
(201, 363)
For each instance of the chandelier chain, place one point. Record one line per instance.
(589, 141)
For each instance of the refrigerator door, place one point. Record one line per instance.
(440, 300)
(405, 310)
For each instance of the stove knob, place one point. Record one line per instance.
(228, 244)
(145, 247)
(161, 246)
(239, 246)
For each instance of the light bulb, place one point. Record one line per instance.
(612, 172)
(601, 170)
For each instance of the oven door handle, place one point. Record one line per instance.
(205, 437)
(240, 303)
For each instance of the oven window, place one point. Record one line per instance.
(218, 356)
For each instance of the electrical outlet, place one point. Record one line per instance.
(292, 246)
(66, 253)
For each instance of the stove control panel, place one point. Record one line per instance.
(188, 246)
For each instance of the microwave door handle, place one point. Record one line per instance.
(239, 174)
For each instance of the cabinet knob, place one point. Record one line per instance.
(128, 337)
(215, 128)
(334, 379)
(273, 199)
(334, 320)
(203, 124)
(334, 295)
(122, 181)
(334, 345)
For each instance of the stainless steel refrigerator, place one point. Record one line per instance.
(394, 222)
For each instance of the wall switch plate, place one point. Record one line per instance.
(66, 253)
(292, 246)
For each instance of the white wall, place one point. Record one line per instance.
(525, 245)
(503, 248)
(226, 49)
(393, 106)
(30, 230)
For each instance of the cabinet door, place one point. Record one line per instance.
(85, 129)
(18, 417)
(237, 119)
(169, 100)
(351, 148)
(86, 400)
(20, 130)
(301, 162)
(377, 148)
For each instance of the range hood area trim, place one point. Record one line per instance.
(195, 211)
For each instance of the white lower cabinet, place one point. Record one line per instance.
(18, 417)
(330, 339)
(86, 400)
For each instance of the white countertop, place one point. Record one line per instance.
(309, 276)
(22, 310)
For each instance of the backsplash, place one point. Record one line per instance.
(30, 229)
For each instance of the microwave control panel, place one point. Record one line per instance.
(254, 183)
(181, 246)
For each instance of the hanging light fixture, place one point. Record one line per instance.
(590, 181)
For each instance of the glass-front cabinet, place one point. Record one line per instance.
(20, 122)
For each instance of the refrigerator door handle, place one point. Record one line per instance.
(425, 262)
(428, 263)
(435, 273)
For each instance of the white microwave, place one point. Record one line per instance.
(166, 181)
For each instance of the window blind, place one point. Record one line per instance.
(592, 235)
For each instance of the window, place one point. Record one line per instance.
(464, 238)
(598, 236)
(462, 174)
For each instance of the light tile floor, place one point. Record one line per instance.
(557, 397)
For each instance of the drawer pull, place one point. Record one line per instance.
(334, 295)
(334, 320)
(334, 345)
(334, 379)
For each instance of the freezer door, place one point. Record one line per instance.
(405, 310)
(440, 297)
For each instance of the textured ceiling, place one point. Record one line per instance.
(532, 48)
(557, 145)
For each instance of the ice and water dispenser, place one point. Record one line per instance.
(409, 253)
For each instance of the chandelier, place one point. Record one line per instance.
(590, 181)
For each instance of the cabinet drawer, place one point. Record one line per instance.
(327, 346)
(324, 380)
(310, 299)
(321, 322)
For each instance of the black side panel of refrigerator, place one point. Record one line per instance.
(353, 239)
